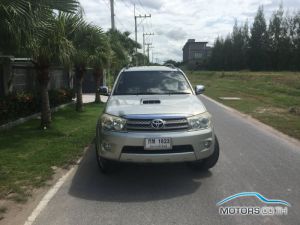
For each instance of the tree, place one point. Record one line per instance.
(80, 39)
(99, 58)
(245, 48)
(239, 40)
(295, 38)
(123, 49)
(216, 58)
(173, 62)
(275, 47)
(280, 43)
(46, 50)
(258, 59)
(227, 53)
(140, 59)
(31, 27)
(19, 19)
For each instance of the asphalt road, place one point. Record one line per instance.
(251, 160)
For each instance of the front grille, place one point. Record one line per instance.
(141, 150)
(145, 125)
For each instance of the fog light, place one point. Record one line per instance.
(207, 144)
(106, 146)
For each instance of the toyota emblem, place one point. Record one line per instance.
(158, 124)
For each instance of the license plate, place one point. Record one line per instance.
(157, 143)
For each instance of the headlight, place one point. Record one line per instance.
(112, 123)
(200, 121)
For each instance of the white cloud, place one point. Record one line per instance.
(152, 4)
(175, 21)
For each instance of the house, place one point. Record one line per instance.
(194, 53)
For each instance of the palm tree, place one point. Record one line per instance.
(45, 51)
(91, 48)
(34, 25)
(123, 49)
(80, 58)
(99, 57)
(19, 18)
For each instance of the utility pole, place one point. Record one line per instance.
(135, 23)
(154, 53)
(135, 27)
(112, 14)
(145, 34)
(112, 18)
(151, 47)
(148, 51)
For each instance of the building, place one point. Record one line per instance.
(194, 53)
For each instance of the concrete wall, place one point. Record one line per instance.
(20, 75)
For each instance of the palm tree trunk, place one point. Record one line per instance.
(43, 78)
(79, 80)
(98, 74)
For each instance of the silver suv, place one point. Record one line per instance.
(153, 115)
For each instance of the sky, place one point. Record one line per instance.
(175, 21)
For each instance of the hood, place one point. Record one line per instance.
(124, 105)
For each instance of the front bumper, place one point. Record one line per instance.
(111, 145)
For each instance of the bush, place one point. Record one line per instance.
(21, 104)
(61, 96)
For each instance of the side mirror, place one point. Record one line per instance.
(103, 90)
(199, 89)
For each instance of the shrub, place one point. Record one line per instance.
(20, 104)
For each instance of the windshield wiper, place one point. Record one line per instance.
(179, 93)
(154, 93)
(147, 93)
(137, 93)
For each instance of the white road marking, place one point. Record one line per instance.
(49, 195)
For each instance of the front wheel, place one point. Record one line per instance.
(209, 162)
(106, 166)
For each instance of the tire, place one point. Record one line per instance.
(106, 166)
(209, 162)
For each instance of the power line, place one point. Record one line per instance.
(142, 6)
(120, 20)
(126, 4)
(107, 4)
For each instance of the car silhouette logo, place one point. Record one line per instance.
(158, 124)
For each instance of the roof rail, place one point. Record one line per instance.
(170, 65)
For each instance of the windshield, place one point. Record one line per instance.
(152, 82)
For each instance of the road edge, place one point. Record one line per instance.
(54, 189)
(256, 122)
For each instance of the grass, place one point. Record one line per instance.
(267, 96)
(28, 155)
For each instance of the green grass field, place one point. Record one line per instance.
(271, 97)
(28, 154)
